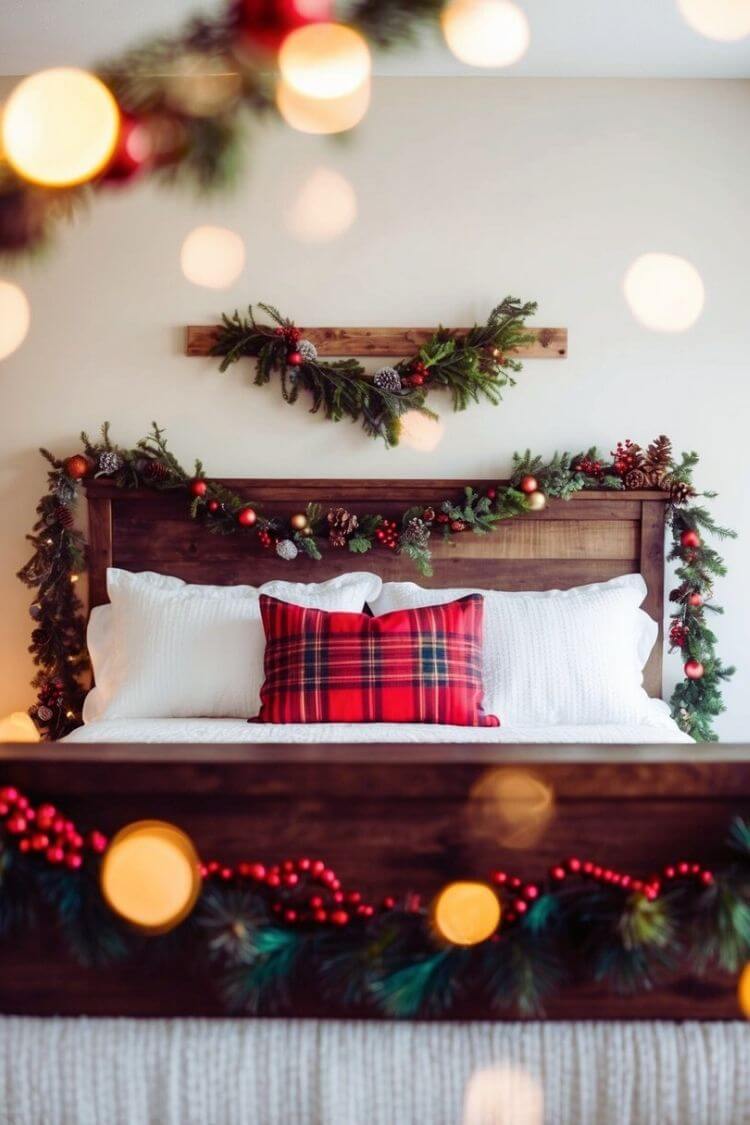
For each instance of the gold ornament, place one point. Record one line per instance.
(536, 501)
(298, 521)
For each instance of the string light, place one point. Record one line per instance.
(18, 727)
(15, 318)
(325, 60)
(485, 33)
(420, 431)
(724, 20)
(150, 875)
(466, 913)
(74, 578)
(325, 207)
(322, 116)
(665, 293)
(60, 127)
(743, 991)
(213, 257)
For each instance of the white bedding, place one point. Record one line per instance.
(662, 730)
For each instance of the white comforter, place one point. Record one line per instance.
(663, 730)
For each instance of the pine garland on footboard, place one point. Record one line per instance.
(59, 549)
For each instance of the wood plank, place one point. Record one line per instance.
(99, 548)
(549, 343)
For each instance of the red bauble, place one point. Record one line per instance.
(529, 484)
(133, 151)
(694, 670)
(294, 359)
(213, 505)
(695, 600)
(78, 466)
(690, 538)
(246, 517)
(198, 487)
(266, 23)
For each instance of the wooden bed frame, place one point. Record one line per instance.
(388, 818)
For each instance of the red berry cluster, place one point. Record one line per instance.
(45, 830)
(266, 539)
(305, 890)
(626, 456)
(678, 635)
(387, 534)
(419, 373)
(292, 337)
(651, 888)
(521, 894)
(589, 467)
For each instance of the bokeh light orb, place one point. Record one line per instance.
(18, 727)
(150, 876)
(503, 1095)
(322, 115)
(15, 317)
(466, 913)
(725, 20)
(323, 209)
(60, 127)
(665, 293)
(420, 431)
(512, 807)
(213, 257)
(485, 33)
(324, 60)
(743, 991)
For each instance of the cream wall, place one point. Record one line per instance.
(468, 189)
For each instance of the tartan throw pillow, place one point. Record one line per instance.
(411, 666)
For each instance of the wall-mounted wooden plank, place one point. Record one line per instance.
(549, 343)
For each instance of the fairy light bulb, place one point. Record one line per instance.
(466, 913)
(485, 33)
(724, 20)
(665, 293)
(150, 875)
(322, 115)
(324, 60)
(15, 318)
(213, 257)
(60, 127)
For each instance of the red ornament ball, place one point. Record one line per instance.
(695, 600)
(690, 538)
(694, 670)
(78, 466)
(529, 484)
(294, 359)
(213, 505)
(264, 24)
(133, 151)
(198, 487)
(246, 517)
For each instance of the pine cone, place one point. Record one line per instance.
(341, 524)
(680, 492)
(657, 478)
(307, 350)
(416, 534)
(658, 456)
(63, 515)
(155, 471)
(387, 379)
(109, 462)
(636, 478)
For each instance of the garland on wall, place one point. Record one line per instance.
(471, 367)
(260, 932)
(59, 550)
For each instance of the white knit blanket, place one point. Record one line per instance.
(307, 1072)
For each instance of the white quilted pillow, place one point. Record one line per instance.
(557, 656)
(166, 649)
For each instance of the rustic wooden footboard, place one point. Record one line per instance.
(388, 818)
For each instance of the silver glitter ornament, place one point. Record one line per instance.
(109, 462)
(286, 550)
(307, 350)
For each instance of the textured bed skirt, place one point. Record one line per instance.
(297, 1072)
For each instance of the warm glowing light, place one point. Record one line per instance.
(60, 127)
(726, 20)
(150, 875)
(466, 913)
(202, 85)
(213, 257)
(503, 1095)
(15, 317)
(324, 60)
(485, 32)
(325, 207)
(743, 991)
(322, 115)
(18, 727)
(420, 431)
(512, 807)
(665, 293)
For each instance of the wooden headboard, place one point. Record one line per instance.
(595, 536)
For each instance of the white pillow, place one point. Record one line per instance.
(166, 649)
(557, 656)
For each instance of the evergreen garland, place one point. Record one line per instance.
(471, 367)
(257, 941)
(58, 558)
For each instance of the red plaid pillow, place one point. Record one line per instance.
(411, 666)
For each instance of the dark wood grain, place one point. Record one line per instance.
(548, 343)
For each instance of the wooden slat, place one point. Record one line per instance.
(99, 548)
(549, 343)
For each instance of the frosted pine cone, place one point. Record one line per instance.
(44, 714)
(109, 462)
(416, 533)
(287, 550)
(307, 350)
(387, 379)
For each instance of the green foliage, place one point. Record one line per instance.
(262, 980)
(93, 935)
(428, 985)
